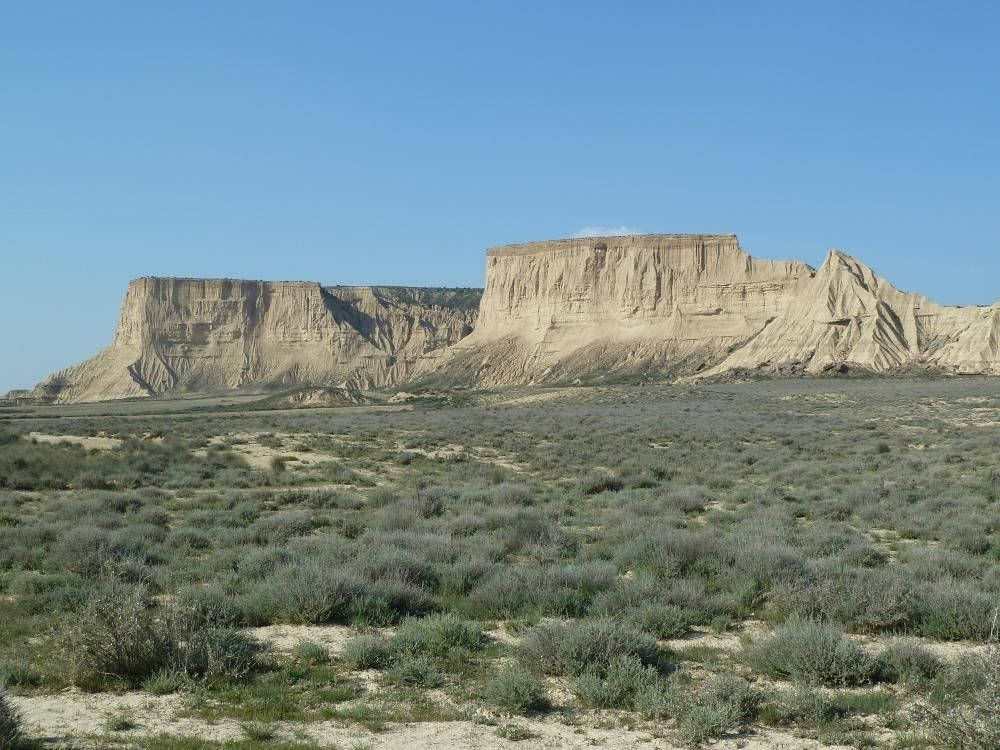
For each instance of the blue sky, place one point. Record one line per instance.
(392, 142)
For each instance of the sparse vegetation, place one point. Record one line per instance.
(814, 652)
(518, 691)
(10, 724)
(511, 560)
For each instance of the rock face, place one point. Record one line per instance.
(178, 335)
(697, 306)
(849, 315)
(570, 308)
(667, 306)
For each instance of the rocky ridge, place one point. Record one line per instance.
(189, 335)
(663, 306)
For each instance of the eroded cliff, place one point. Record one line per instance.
(698, 306)
(573, 308)
(662, 306)
(178, 335)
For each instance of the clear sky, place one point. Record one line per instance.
(391, 143)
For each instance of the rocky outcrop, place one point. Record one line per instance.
(848, 315)
(660, 306)
(177, 335)
(618, 305)
(697, 306)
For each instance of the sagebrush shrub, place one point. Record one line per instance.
(615, 686)
(907, 661)
(970, 719)
(586, 646)
(315, 591)
(723, 704)
(437, 635)
(219, 653)
(416, 670)
(311, 652)
(814, 652)
(367, 652)
(119, 636)
(801, 706)
(517, 690)
(952, 610)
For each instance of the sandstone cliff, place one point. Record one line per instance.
(663, 306)
(850, 315)
(698, 306)
(209, 334)
(573, 308)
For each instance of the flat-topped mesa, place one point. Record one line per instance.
(179, 335)
(632, 280)
(657, 306)
(554, 310)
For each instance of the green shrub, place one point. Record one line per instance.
(723, 704)
(870, 600)
(586, 646)
(416, 670)
(206, 606)
(969, 718)
(18, 672)
(118, 636)
(907, 661)
(952, 610)
(518, 691)
(10, 724)
(801, 706)
(660, 700)
(437, 635)
(320, 592)
(278, 528)
(367, 652)
(311, 653)
(665, 622)
(617, 686)
(598, 481)
(219, 653)
(814, 652)
(165, 681)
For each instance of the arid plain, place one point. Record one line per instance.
(781, 563)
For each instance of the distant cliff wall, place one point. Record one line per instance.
(178, 335)
(655, 306)
(670, 303)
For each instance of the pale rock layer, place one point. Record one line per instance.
(568, 308)
(178, 335)
(666, 306)
(698, 306)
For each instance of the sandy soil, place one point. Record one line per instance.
(283, 638)
(76, 715)
(90, 443)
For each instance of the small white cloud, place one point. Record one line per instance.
(605, 231)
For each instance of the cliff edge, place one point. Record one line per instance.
(182, 335)
(659, 306)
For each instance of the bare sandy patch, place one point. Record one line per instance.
(284, 638)
(89, 442)
(74, 714)
(80, 718)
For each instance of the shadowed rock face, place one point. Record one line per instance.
(671, 305)
(210, 334)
